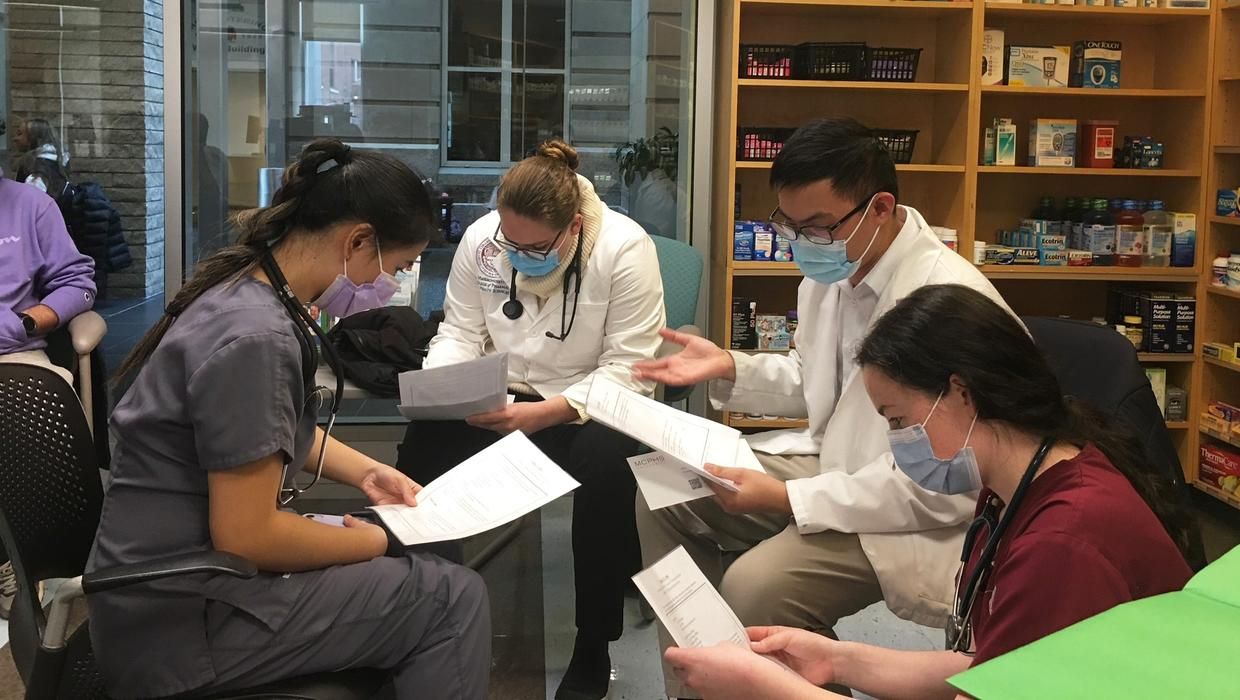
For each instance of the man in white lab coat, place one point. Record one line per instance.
(832, 527)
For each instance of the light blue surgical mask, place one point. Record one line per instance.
(828, 264)
(914, 455)
(533, 267)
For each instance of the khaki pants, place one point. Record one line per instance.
(781, 577)
(39, 358)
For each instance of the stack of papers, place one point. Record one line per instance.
(684, 444)
(455, 392)
(494, 487)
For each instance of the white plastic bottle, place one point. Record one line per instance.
(1159, 229)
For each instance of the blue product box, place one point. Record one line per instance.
(742, 242)
(1095, 64)
(1026, 256)
(1053, 257)
(1228, 203)
(1052, 241)
(783, 250)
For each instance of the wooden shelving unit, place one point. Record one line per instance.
(1218, 310)
(766, 423)
(1166, 357)
(1170, 82)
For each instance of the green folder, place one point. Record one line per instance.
(1184, 644)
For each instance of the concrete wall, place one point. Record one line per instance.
(104, 84)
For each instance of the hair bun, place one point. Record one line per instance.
(557, 150)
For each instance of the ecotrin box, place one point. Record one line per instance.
(1095, 64)
(1052, 143)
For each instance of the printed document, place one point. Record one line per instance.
(665, 482)
(688, 606)
(455, 392)
(496, 486)
(689, 440)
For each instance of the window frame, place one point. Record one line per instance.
(506, 73)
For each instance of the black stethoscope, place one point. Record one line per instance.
(513, 308)
(309, 331)
(959, 630)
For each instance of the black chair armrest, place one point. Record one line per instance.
(179, 565)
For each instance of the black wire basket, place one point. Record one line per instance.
(891, 65)
(899, 143)
(766, 61)
(830, 61)
(760, 142)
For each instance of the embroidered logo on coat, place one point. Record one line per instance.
(10, 239)
(489, 279)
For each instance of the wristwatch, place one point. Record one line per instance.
(31, 326)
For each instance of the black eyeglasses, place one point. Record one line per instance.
(535, 253)
(822, 235)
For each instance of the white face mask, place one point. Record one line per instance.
(914, 455)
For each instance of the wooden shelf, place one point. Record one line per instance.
(1220, 495)
(1234, 442)
(1227, 151)
(1177, 425)
(1103, 274)
(1229, 5)
(1088, 92)
(881, 86)
(1165, 356)
(1102, 172)
(741, 268)
(1225, 220)
(1233, 366)
(900, 168)
(911, 7)
(1116, 15)
(1227, 77)
(1223, 292)
(772, 423)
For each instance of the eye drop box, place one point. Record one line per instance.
(1095, 64)
(1052, 143)
(742, 242)
(1184, 324)
(1038, 66)
(1157, 311)
(763, 244)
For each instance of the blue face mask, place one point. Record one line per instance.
(914, 455)
(828, 264)
(533, 267)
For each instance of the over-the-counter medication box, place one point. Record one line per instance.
(1187, 4)
(1080, 258)
(742, 242)
(992, 57)
(744, 324)
(1038, 66)
(783, 250)
(1095, 64)
(1052, 143)
(773, 332)
(1005, 142)
(1053, 257)
(988, 146)
(1220, 468)
(1183, 239)
(1157, 312)
(764, 245)
(1228, 203)
(1184, 323)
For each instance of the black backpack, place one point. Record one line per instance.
(376, 346)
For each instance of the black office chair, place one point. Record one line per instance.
(1098, 365)
(50, 500)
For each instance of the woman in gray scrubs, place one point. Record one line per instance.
(221, 415)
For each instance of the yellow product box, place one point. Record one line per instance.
(1225, 411)
(1219, 351)
(1212, 423)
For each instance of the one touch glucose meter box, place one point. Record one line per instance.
(1095, 64)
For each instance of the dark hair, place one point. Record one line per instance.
(843, 151)
(40, 133)
(544, 186)
(329, 183)
(943, 330)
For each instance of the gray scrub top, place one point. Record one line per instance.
(223, 388)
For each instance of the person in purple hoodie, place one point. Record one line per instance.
(44, 280)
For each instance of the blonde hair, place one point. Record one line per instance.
(544, 186)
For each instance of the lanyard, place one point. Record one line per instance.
(959, 630)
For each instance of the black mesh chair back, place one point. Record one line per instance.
(1098, 365)
(50, 500)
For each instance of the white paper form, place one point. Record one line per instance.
(455, 392)
(692, 441)
(688, 606)
(665, 482)
(496, 486)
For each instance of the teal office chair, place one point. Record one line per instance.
(681, 268)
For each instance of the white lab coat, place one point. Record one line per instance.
(911, 536)
(619, 313)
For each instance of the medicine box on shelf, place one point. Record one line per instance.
(1038, 66)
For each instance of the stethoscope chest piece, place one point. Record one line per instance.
(513, 309)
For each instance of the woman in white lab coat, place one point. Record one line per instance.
(571, 291)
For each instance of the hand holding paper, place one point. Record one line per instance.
(693, 612)
(666, 482)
